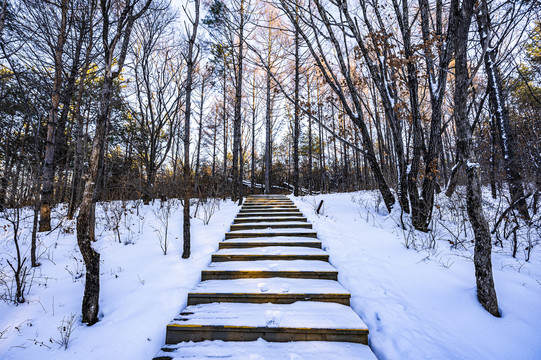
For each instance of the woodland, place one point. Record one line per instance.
(106, 100)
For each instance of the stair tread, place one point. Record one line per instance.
(273, 250)
(273, 231)
(267, 223)
(271, 265)
(283, 286)
(299, 315)
(268, 219)
(270, 240)
(263, 350)
(266, 213)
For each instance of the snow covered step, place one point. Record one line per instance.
(272, 241)
(269, 206)
(270, 253)
(269, 219)
(263, 350)
(270, 233)
(269, 202)
(271, 225)
(273, 290)
(299, 269)
(299, 321)
(274, 210)
(267, 196)
(268, 213)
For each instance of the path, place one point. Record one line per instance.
(270, 279)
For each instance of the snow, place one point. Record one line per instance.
(275, 239)
(417, 304)
(271, 224)
(271, 286)
(271, 265)
(300, 314)
(423, 305)
(263, 350)
(274, 231)
(273, 250)
(141, 289)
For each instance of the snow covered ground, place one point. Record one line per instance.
(422, 304)
(142, 289)
(418, 304)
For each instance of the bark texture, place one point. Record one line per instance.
(500, 112)
(85, 225)
(47, 190)
(486, 292)
(191, 59)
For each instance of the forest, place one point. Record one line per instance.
(145, 100)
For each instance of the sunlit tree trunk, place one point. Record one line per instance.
(191, 59)
(47, 190)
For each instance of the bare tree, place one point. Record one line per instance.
(191, 60)
(117, 24)
(47, 190)
(341, 81)
(500, 111)
(157, 73)
(486, 292)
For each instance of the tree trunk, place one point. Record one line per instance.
(268, 137)
(321, 149)
(296, 126)
(501, 113)
(237, 121)
(199, 135)
(486, 292)
(225, 122)
(124, 25)
(47, 190)
(493, 164)
(310, 181)
(252, 162)
(190, 62)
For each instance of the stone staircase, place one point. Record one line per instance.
(269, 280)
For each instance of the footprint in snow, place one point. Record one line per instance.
(273, 318)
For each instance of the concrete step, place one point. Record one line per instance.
(273, 225)
(263, 350)
(299, 321)
(271, 233)
(269, 219)
(268, 213)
